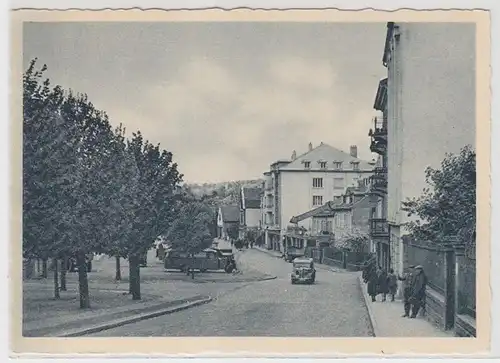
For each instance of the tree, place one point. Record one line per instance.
(123, 198)
(448, 207)
(233, 231)
(49, 144)
(355, 241)
(155, 202)
(191, 230)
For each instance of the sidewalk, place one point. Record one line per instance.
(387, 321)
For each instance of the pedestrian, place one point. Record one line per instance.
(419, 284)
(382, 287)
(392, 283)
(161, 252)
(372, 280)
(407, 289)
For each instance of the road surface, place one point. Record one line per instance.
(332, 307)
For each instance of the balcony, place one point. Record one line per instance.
(378, 136)
(379, 228)
(378, 182)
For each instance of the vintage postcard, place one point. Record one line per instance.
(250, 182)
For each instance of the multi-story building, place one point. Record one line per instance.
(250, 209)
(379, 228)
(308, 181)
(430, 109)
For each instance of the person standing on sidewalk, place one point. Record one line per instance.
(392, 283)
(419, 283)
(372, 280)
(407, 290)
(382, 287)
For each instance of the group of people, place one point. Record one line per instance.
(414, 283)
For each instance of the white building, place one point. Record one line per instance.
(305, 182)
(250, 207)
(431, 108)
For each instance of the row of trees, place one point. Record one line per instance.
(89, 189)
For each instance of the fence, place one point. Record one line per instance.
(332, 256)
(451, 291)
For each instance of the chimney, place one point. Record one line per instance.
(310, 146)
(294, 155)
(354, 151)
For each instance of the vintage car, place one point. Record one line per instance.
(291, 253)
(303, 271)
(208, 259)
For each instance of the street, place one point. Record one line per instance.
(332, 307)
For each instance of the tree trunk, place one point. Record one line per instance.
(83, 281)
(135, 278)
(64, 268)
(45, 269)
(56, 279)
(118, 275)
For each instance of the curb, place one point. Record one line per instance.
(371, 315)
(130, 320)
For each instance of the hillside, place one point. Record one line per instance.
(224, 193)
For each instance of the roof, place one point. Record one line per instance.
(230, 213)
(325, 152)
(251, 197)
(303, 259)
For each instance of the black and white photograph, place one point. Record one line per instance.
(251, 178)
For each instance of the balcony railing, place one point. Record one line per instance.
(379, 227)
(378, 136)
(379, 181)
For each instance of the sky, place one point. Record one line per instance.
(227, 99)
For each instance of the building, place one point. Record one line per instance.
(228, 221)
(430, 110)
(250, 207)
(347, 215)
(308, 181)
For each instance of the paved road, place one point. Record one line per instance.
(332, 307)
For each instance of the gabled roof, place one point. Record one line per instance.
(325, 152)
(251, 198)
(230, 213)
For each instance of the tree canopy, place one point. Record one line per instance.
(447, 208)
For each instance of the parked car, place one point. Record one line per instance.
(208, 259)
(303, 271)
(291, 253)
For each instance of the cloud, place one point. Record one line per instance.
(208, 114)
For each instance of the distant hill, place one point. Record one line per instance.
(223, 193)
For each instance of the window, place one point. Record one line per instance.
(337, 165)
(307, 164)
(338, 183)
(322, 164)
(317, 200)
(355, 165)
(317, 182)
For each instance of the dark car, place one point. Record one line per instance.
(303, 271)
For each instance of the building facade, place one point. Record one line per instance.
(430, 109)
(308, 181)
(228, 221)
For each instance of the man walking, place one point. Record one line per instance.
(419, 282)
(407, 290)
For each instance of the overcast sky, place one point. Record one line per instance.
(226, 98)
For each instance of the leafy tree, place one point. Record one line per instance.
(448, 207)
(49, 169)
(191, 231)
(233, 231)
(155, 202)
(356, 241)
